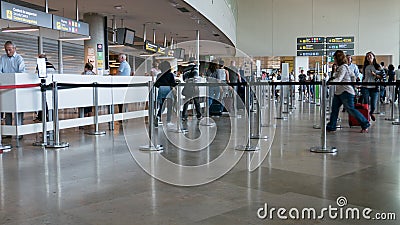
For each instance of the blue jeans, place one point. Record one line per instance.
(213, 93)
(372, 93)
(347, 100)
(164, 95)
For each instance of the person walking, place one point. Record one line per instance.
(372, 72)
(344, 94)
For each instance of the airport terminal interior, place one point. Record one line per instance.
(85, 142)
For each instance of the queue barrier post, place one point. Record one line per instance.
(257, 133)
(323, 148)
(393, 90)
(292, 97)
(3, 148)
(44, 114)
(55, 143)
(397, 121)
(179, 128)
(151, 146)
(285, 98)
(248, 146)
(378, 105)
(268, 123)
(317, 125)
(281, 117)
(96, 111)
(206, 121)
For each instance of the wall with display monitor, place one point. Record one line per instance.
(179, 53)
(125, 36)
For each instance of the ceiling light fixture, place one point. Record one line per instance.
(118, 7)
(74, 38)
(19, 29)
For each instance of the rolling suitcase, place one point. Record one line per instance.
(216, 108)
(363, 109)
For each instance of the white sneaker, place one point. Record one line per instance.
(170, 124)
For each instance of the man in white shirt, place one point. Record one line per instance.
(124, 68)
(11, 62)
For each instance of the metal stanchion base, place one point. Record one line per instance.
(5, 148)
(59, 145)
(319, 149)
(247, 148)
(258, 137)
(39, 144)
(397, 122)
(96, 133)
(316, 126)
(151, 148)
(390, 119)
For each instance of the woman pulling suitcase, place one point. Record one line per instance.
(344, 94)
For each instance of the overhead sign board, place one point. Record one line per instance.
(339, 39)
(340, 46)
(305, 40)
(151, 47)
(161, 50)
(25, 15)
(310, 53)
(310, 46)
(331, 52)
(70, 25)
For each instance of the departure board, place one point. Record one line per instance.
(311, 53)
(305, 40)
(339, 39)
(310, 46)
(324, 46)
(340, 46)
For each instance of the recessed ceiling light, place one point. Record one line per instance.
(118, 7)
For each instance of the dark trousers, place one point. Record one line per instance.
(196, 105)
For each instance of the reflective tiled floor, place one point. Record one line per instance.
(98, 181)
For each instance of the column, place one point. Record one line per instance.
(94, 48)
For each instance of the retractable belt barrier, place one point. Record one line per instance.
(54, 86)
